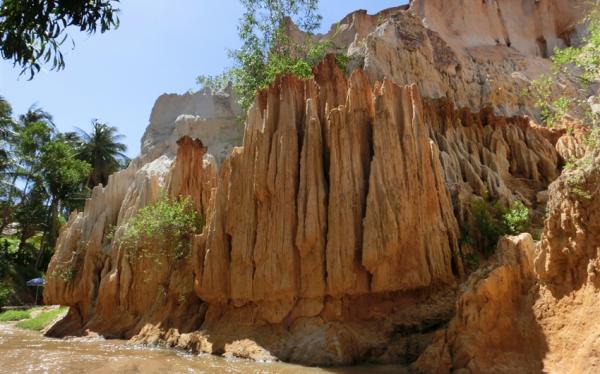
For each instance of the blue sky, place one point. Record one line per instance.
(160, 47)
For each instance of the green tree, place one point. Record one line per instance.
(167, 224)
(32, 214)
(267, 51)
(490, 221)
(36, 114)
(102, 149)
(31, 133)
(33, 31)
(63, 175)
(6, 129)
(7, 161)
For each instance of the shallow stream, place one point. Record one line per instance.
(23, 351)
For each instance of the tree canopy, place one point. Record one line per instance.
(33, 31)
(267, 50)
(46, 175)
(102, 149)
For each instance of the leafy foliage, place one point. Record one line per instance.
(63, 172)
(6, 125)
(516, 219)
(576, 64)
(32, 31)
(491, 221)
(552, 110)
(44, 176)
(164, 227)
(576, 175)
(102, 149)
(267, 51)
(5, 293)
(66, 273)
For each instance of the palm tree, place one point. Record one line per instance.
(36, 114)
(6, 128)
(102, 149)
(25, 138)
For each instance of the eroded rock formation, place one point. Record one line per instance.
(332, 233)
(533, 309)
(494, 329)
(477, 53)
(90, 274)
(337, 210)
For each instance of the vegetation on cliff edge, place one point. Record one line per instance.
(163, 227)
(577, 65)
(268, 50)
(489, 221)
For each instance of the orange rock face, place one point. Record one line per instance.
(494, 329)
(340, 211)
(113, 293)
(332, 197)
(313, 226)
(533, 308)
(332, 234)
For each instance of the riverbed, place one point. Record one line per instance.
(23, 351)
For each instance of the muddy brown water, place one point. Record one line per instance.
(23, 351)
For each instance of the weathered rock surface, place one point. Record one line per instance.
(567, 263)
(336, 214)
(494, 330)
(89, 273)
(533, 310)
(210, 117)
(332, 232)
(301, 228)
(477, 53)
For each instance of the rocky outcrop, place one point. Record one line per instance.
(533, 309)
(90, 273)
(568, 256)
(567, 265)
(477, 53)
(494, 329)
(210, 117)
(533, 28)
(304, 239)
(332, 233)
(314, 228)
(338, 210)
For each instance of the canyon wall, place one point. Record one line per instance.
(332, 232)
(478, 54)
(89, 273)
(534, 307)
(339, 210)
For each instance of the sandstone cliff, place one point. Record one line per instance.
(332, 232)
(86, 272)
(476, 53)
(336, 212)
(533, 309)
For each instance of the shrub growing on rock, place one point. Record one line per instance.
(579, 65)
(491, 221)
(164, 227)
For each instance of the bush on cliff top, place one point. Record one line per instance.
(579, 65)
(267, 50)
(164, 227)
